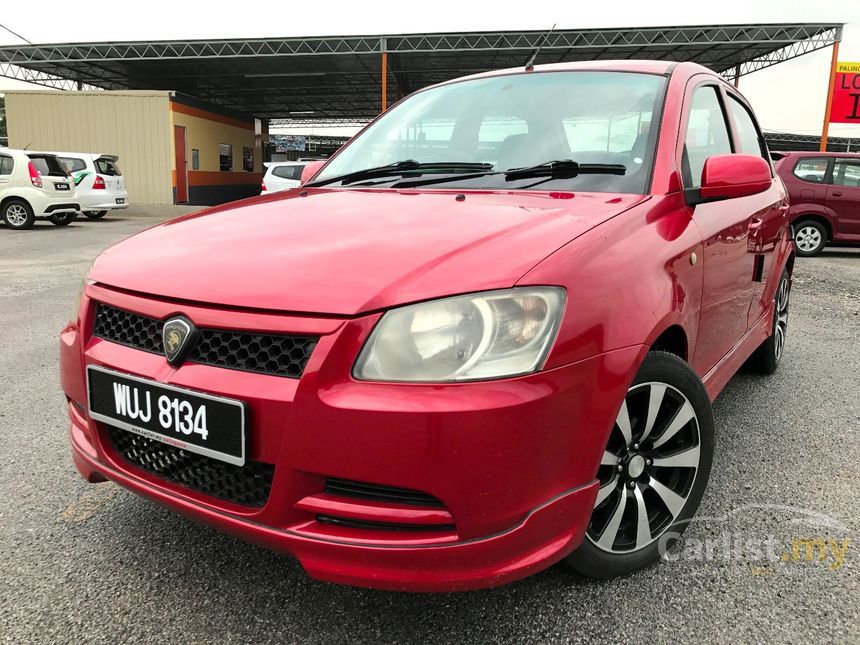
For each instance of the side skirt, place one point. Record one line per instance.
(720, 374)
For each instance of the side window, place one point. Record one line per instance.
(707, 134)
(6, 165)
(846, 172)
(812, 169)
(748, 134)
(73, 163)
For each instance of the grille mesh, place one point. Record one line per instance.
(275, 354)
(248, 485)
(379, 493)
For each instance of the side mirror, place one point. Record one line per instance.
(729, 176)
(311, 169)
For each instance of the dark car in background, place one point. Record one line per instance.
(824, 189)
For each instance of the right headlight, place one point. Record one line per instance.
(487, 335)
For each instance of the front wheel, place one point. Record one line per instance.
(653, 472)
(95, 214)
(62, 219)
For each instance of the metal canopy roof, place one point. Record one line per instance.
(338, 79)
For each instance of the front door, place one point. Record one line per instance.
(181, 165)
(843, 196)
(728, 260)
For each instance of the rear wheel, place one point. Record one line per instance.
(95, 214)
(18, 214)
(62, 219)
(653, 472)
(810, 237)
(766, 358)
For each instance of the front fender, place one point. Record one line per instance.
(627, 281)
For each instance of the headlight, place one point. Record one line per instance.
(465, 338)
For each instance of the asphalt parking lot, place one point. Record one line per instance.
(94, 563)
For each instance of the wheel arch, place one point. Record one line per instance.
(819, 217)
(14, 197)
(673, 340)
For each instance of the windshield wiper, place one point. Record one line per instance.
(559, 169)
(400, 168)
(564, 168)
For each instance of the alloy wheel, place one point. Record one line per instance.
(16, 215)
(648, 468)
(783, 295)
(808, 238)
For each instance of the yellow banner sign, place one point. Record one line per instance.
(848, 68)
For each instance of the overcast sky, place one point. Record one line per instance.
(788, 97)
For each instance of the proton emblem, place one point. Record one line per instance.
(178, 336)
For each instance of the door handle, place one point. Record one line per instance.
(837, 193)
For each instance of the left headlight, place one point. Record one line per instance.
(465, 338)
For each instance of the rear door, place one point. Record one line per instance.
(843, 195)
(728, 264)
(770, 208)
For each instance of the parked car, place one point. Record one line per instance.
(35, 185)
(99, 181)
(824, 191)
(282, 175)
(483, 338)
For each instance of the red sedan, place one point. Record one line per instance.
(483, 338)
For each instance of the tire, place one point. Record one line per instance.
(62, 219)
(768, 355)
(810, 237)
(18, 215)
(678, 449)
(95, 214)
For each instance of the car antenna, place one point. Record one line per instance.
(531, 64)
(27, 147)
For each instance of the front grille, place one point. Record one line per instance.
(248, 485)
(378, 493)
(275, 354)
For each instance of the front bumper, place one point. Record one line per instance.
(511, 461)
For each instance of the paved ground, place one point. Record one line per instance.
(94, 563)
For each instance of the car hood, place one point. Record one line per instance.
(344, 252)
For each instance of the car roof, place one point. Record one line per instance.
(641, 66)
(816, 153)
(93, 155)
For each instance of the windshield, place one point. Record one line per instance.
(515, 121)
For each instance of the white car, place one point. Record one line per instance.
(32, 185)
(100, 184)
(282, 175)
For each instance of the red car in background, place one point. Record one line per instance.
(483, 338)
(824, 192)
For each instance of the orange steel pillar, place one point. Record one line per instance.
(826, 126)
(384, 80)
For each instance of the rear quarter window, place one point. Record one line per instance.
(6, 165)
(811, 169)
